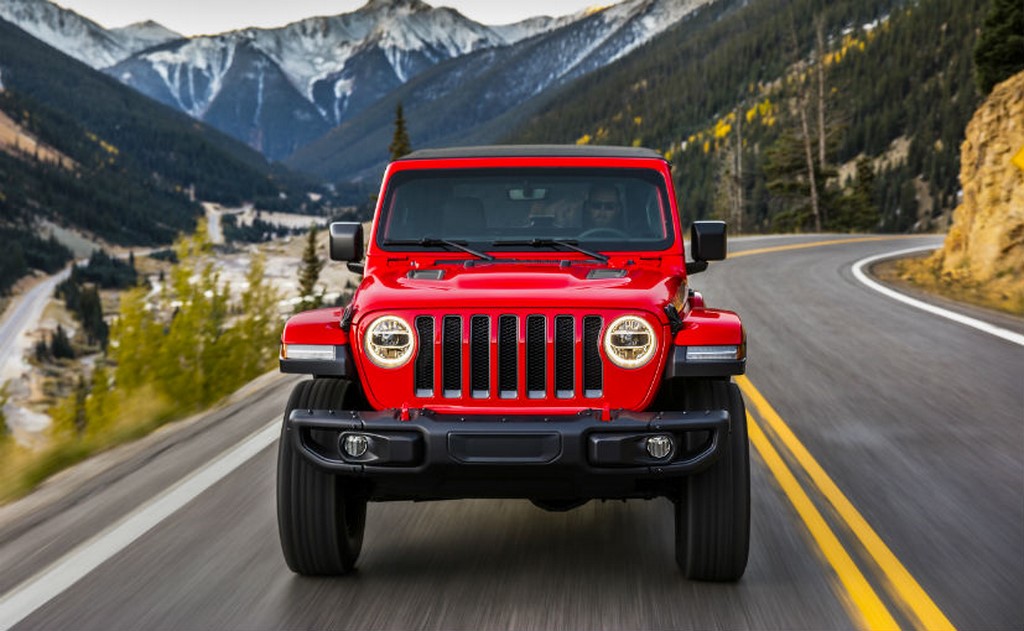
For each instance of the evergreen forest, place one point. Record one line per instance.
(117, 164)
(742, 97)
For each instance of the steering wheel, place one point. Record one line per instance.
(599, 233)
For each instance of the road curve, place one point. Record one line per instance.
(21, 316)
(916, 419)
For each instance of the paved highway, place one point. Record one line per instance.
(20, 317)
(887, 483)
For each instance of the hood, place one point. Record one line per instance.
(498, 285)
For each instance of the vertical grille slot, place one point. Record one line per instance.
(508, 352)
(565, 343)
(536, 372)
(592, 371)
(425, 357)
(451, 343)
(480, 356)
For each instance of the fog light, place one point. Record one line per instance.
(659, 446)
(355, 445)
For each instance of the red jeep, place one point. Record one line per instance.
(523, 329)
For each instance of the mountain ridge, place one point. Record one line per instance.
(80, 37)
(507, 83)
(338, 65)
(294, 83)
(127, 165)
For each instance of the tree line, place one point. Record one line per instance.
(737, 93)
(195, 347)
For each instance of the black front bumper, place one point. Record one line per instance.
(434, 456)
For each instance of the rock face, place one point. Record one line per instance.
(985, 245)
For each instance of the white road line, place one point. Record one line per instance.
(20, 602)
(991, 329)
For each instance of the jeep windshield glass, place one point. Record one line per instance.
(589, 210)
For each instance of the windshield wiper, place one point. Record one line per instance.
(430, 242)
(572, 244)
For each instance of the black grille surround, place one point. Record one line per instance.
(509, 356)
(424, 366)
(451, 366)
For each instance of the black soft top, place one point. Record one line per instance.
(533, 151)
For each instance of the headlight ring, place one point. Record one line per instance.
(389, 342)
(630, 342)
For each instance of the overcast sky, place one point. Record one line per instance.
(195, 17)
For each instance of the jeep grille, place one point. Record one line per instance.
(527, 356)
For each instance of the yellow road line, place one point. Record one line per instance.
(872, 610)
(815, 244)
(905, 589)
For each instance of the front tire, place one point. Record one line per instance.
(320, 515)
(713, 510)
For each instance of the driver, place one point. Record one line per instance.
(603, 208)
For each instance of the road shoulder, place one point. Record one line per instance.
(884, 272)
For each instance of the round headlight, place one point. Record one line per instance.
(389, 342)
(630, 342)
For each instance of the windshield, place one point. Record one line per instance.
(520, 209)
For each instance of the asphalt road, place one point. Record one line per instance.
(918, 421)
(22, 315)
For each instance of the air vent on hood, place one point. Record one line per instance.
(598, 274)
(426, 274)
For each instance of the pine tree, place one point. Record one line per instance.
(1000, 50)
(400, 144)
(858, 210)
(60, 345)
(5, 430)
(309, 274)
(865, 216)
(256, 330)
(190, 353)
(99, 407)
(80, 419)
(91, 315)
(135, 339)
(785, 173)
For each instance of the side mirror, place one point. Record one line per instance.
(707, 241)
(346, 241)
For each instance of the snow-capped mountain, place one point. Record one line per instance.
(80, 37)
(143, 35)
(334, 68)
(281, 89)
(476, 98)
(326, 57)
(525, 29)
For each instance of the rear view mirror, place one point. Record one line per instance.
(707, 241)
(346, 241)
(527, 194)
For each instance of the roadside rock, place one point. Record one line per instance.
(985, 245)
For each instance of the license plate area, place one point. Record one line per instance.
(508, 448)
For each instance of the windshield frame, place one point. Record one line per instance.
(652, 176)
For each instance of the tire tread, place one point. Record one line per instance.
(713, 510)
(313, 505)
